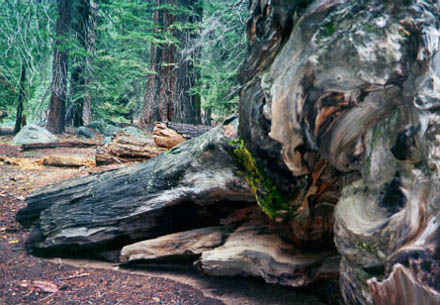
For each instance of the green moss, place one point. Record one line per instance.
(368, 27)
(265, 191)
(330, 28)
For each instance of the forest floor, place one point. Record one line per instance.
(26, 279)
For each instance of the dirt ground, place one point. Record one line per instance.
(26, 279)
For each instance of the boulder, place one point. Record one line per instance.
(85, 132)
(33, 134)
(134, 132)
(104, 128)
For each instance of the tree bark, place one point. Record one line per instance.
(168, 96)
(187, 106)
(21, 97)
(175, 191)
(75, 144)
(91, 53)
(57, 104)
(338, 143)
(80, 26)
(160, 92)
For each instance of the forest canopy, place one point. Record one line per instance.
(98, 57)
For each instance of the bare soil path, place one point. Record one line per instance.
(26, 279)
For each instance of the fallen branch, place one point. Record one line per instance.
(67, 161)
(75, 276)
(58, 161)
(73, 144)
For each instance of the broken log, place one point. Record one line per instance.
(71, 144)
(257, 248)
(58, 161)
(124, 148)
(176, 191)
(182, 246)
(170, 134)
(62, 161)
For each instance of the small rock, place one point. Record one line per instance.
(84, 132)
(134, 132)
(104, 128)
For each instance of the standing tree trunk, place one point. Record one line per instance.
(21, 96)
(80, 26)
(168, 96)
(57, 106)
(187, 105)
(160, 92)
(91, 51)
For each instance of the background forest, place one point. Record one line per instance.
(66, 63)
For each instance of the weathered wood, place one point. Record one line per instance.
(402, 288)
(188, 131)
(332, 104)
(62, 161)
(260, 248)
(170, 134)
(176, 191)
(339, 136)
(72, 144)
(124, 148)
(188, 245)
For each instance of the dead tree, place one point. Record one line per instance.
(338, 144)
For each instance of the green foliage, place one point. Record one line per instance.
(116, 67)
(224, 45)
(25, 39)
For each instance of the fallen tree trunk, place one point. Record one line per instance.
(124, 148)
(176, 191)
(61, 161)
(170, 134)
(71, 144)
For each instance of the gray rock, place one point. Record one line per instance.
(84, 132)
(104, 128)
(107, 140)
(134, 132)
(33, 134)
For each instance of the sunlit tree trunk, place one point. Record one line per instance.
(56, 122)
